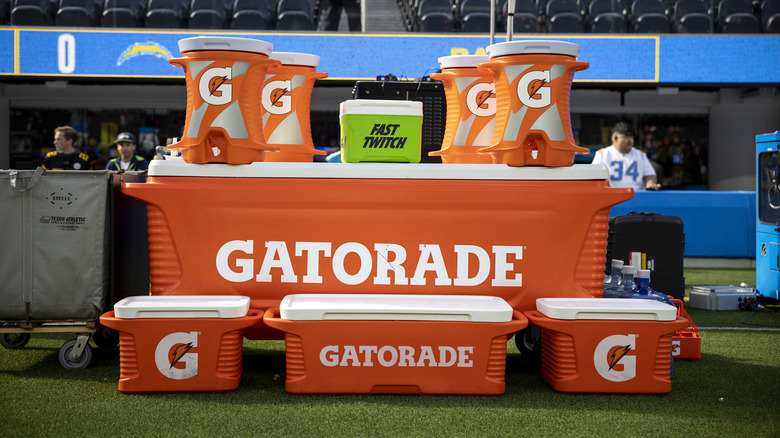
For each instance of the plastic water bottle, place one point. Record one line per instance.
(644, 291)
(614, 281)
(628, 284)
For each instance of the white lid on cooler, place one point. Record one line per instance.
(381, 107)
(456, 61)
(536, 47)
(182, 306)
(293, 58)
(225, 43)
(577, 172)
(606, 308)
(471, 308)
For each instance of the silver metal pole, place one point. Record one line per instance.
(362, 14)
(510, 19)
(493, 22)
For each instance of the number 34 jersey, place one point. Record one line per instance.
(625, 170)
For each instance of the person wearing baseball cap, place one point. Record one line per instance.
(127, 159)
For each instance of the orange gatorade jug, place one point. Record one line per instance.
(471, 109)
(286, 99)
(533, 85)
(223, 76)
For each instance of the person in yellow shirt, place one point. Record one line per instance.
(65, 156)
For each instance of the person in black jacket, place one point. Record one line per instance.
(65, 156)
(127, 159)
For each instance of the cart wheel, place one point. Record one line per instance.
(13, 341)
(527, 339)
(105, 337)
(82, 362)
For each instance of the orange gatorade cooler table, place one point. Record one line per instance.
(180, 343)
(606, 345)
(397, 344)
(267, 230)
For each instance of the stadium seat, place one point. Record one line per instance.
(475, 22)
(29, 15)
(598, 7)
(682, 7)
(555, 7)
(769, 9)
(437, 22)
(73, 16)
(526, 16)
(163, 19)
(772, 24)
(652, 23)
(165, 14)
(206, 19)
(740, 23)
(465, 7)
(294, 20)
(266, 7)
(608, 22)
(304, 6)
(436, 7)
(525, 23)
(137, 6)
(206, 14)
(728, 8)
(639, 7)
(93, 7)
(250, 19)
(565, 22)
(119, 17)
(693, 22)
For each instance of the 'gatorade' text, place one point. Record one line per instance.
(400, 356)
(387, 262)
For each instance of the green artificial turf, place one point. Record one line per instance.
(741, 367)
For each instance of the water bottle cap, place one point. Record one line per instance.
(617, 263)
(629, 269)
(643, 273)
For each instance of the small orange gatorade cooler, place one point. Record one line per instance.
(606, 345)
(398, 344)
(533, 85)
(223, 76)
(686, 343)
(286, 99)
(471, 109)
(180, 343)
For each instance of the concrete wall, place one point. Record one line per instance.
(734, 123)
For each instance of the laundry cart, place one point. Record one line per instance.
(55, 270)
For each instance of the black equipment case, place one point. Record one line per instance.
(659, 239)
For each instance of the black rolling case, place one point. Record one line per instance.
(658, 244)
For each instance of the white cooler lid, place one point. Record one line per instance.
(455, 61)
(606, 308)
(527, 47)
(472, 308)
(182, 306)
(577, 172)
(295, 58)
(375, 107)
(225, 43)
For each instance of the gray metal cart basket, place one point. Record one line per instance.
(54, 257)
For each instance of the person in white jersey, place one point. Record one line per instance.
(628, 167)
